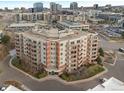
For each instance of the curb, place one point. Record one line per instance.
(115, 60)
(10, 64)
(81, 81)
(58, 78)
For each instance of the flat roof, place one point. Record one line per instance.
(12, 88)
(71, 24)
(54, 34)
(22, 24)
(111, 13)
(111, 84)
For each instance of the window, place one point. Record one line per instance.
(34, 46)
(93, 56)
(34, 41)
(94, 45)
(94, 49)
(78, 41)
(61, 44)
(72, 42)
(73, 56)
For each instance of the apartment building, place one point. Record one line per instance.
(56, 51)
(33, 17)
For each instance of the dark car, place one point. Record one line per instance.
(121, 50)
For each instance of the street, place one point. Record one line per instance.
(50, 85)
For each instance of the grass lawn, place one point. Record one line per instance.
(17, 63)
(89, 72)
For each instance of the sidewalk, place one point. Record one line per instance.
(79, 81)
(58, 78)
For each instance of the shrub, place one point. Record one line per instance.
(5, 39)
(99, 60)
(41, 74)
(101, 52)
(16, 62)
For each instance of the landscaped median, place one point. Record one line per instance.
(88, 72)
(16, 62)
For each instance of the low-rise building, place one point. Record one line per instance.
(110, 16)
(20, 27)
(111, 84)
(94, 20)
(10, 88)
(56, 50)
(72, 25)
(121, 23)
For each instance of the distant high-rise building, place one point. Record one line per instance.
(52, 6)
(23, 9)
(6, 9)
(31, 10)
(58, 7)
(73, 5)
(16, 10)
(55, 7)
(38, 7)
(95, 6)
(108, 6)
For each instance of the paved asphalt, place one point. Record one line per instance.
(54, 85)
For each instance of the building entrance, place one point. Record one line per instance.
(53, 73)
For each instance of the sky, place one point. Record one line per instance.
(65, 3)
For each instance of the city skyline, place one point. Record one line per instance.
(65, 3)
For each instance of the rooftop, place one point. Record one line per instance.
(111, 84)
(22, 24)
(54, 34)
(12, 88)
(111, 13)
(71, 24)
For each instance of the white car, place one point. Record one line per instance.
(3, 88)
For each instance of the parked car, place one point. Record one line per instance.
(121, 50)
(2, 88)
(102, 80)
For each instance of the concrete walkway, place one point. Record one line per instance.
(55, 77)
